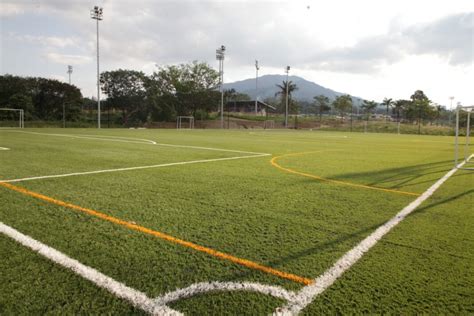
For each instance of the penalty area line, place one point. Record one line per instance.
(138, 141)
(308, 293)
(132, 168)
(135, 297)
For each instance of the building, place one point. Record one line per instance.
(249, 107)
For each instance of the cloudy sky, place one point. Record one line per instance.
(372, 49)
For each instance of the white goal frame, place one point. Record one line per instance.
(468, 110)
(21, 120)
(179, 122)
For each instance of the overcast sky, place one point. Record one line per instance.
(371, 49)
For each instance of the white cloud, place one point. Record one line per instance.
(333, 42)
(48, 41)
(68, 59)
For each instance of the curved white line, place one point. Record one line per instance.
(204, 287)
(141, 141)
(96, 137)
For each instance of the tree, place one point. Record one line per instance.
(369, 107)
(321, 105)
(292, 106)
(437, 111)
(126, 91)
(419, 107)
(232, 95)
(183, 90)
(399, 107)
(40, 98)
(388, 104)
(342, 104)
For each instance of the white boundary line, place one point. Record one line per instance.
(135, 297)
(308, 293)
(133, 168)
(140, 141)
(156, 306)
(4, 148)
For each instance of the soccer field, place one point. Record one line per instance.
(233, 222)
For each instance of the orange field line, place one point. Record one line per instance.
(308, 175)
(209, 251)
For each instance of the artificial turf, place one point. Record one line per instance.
(246, 208)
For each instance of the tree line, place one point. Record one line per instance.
(40, 98)
(185, 89)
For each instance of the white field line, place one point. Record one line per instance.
(133, 168)
(140, 141)
(204, 287)
(4, 148)
(308, 293)
(96, 137)
(120, 290)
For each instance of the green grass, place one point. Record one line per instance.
(246, 208)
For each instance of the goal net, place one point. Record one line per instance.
(462, 146)
(185, 122)
(12, 118)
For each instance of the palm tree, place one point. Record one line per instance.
(388, 103)
(321, 104)
(282, 91)
(368, 107)
(398, 107)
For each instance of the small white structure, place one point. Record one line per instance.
(180, 119)
(467, 109)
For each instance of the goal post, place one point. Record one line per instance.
(467, 143)
(182, 120)
(15, 116)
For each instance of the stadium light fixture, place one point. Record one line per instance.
(96, 14)
(450, 109)
(257, 68)
(287, 70)
(220, 57)
(69, 72)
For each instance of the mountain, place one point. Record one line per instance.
(267, 87)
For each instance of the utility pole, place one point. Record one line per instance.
(256, 86)
(220, 57)
(286, 107)
(96, 14)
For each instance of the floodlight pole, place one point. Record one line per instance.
(450, 109)
(96, 14)
(220, 57)
(256, 86)
(69, 72)
(286, 107)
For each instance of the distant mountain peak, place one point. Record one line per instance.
(267, 87)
